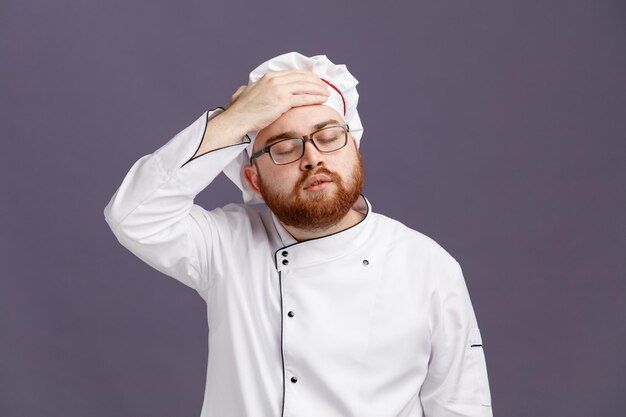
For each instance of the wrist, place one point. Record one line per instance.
(237, 121)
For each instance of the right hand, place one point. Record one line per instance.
(259, 104)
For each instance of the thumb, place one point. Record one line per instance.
(237, 93)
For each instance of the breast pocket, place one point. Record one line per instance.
(480, 366)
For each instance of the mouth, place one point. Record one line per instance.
(317, 182)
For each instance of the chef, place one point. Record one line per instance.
(317, 306)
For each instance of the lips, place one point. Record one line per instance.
(316, 180)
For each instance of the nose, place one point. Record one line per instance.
(312, 158)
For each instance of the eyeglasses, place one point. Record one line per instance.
(326, 140)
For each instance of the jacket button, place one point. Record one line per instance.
(291, 314)
(366, 262)
(294, 379)
(285, 261)
(285, 253)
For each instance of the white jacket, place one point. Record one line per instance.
(373, 321)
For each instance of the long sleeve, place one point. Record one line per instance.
(456, 383)
(152, 213)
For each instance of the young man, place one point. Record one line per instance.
(316, 305)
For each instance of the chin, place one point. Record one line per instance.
(319, 194)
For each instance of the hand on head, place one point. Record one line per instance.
(259, 104)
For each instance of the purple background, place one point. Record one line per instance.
(495, 127)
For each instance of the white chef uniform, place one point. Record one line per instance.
(372, 321)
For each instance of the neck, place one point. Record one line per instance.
(349, 220)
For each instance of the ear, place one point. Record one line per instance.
(252, 176)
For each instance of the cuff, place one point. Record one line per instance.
(176, 155)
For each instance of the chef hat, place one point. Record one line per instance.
(343, 99)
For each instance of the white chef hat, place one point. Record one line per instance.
(343, 99)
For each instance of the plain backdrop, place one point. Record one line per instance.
(495, 127)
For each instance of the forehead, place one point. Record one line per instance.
(300, 120)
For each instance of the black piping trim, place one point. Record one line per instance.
(282, 355)
(475, 345)
(280, 286)
(322, 237)
(206, 123)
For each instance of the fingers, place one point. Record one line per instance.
(306, 100)
(263, 101)
(288, 81)
(304, 87)
(298, 82)
(290, 76)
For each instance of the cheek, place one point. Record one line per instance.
(279, 180)
(347, 166)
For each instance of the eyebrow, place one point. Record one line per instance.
(292, 134)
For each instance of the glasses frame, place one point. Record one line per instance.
(304, 138)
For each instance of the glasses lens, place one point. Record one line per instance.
(330, 139)
(286, 151)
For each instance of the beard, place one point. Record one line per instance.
(320, 209)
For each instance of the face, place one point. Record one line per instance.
(319, 189)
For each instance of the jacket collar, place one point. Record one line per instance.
(294, 254)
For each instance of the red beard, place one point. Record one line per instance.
(321, 209)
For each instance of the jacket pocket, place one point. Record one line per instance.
(480, 370)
